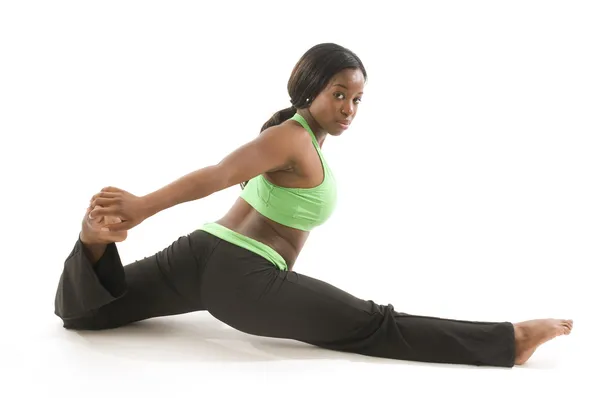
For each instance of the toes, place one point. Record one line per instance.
(564, 328)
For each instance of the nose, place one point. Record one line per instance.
(347, 110)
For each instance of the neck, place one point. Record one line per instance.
(317, 130)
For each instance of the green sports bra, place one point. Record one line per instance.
(300, 208)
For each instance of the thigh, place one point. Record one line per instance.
(251, 295)
(297, 306)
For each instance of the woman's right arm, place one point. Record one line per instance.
(273, 149)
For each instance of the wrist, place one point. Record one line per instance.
(149, 206)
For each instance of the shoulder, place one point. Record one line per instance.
(294, 131)
(288, 135)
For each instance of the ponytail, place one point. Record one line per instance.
(277, 118)
(309, 77)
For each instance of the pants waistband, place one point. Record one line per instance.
(245, 242)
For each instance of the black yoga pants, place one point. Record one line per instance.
(200, 272)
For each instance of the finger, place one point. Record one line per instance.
(104, 202)
(105, 211)
(119, 226)
(106, 195)
(111, 189)
(89, 211)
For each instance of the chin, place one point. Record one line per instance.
(336, 129)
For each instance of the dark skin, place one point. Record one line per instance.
(285, 155)
(339, 101)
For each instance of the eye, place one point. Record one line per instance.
(341, 96)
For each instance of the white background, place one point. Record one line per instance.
(469, 182)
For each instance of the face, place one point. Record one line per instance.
(336, 106)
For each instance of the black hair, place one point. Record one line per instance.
(309, 77)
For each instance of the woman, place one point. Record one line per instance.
(239, 268)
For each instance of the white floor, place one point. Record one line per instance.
(194, 355)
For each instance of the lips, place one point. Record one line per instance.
(345, 123)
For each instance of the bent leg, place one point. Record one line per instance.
(108, 295)
(252, 296)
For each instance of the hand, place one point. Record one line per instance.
(115, 202)
(93, 230)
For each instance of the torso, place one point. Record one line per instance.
(244, 219)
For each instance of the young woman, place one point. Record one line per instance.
(239, 268)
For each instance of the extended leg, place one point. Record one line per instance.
(294, 306)
(249, 294)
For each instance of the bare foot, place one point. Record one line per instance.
(529, 335)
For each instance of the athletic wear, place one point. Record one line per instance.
(300, 208)
(201, 272)
(247, 243)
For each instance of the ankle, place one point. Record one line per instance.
(93, 250)
(519, 335)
